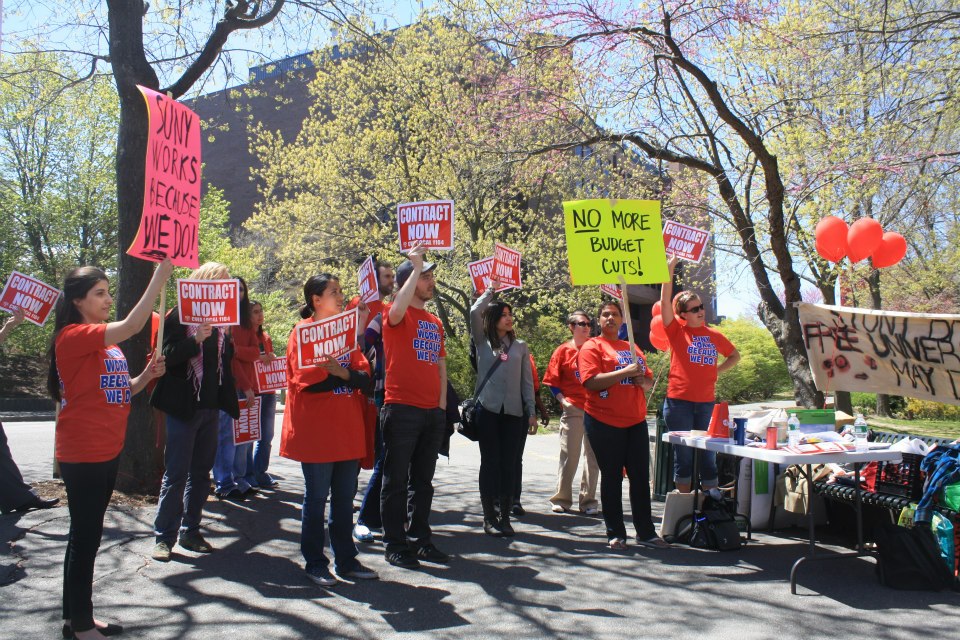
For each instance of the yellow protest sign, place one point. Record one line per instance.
(611, 238)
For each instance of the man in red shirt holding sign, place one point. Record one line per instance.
(413, 414)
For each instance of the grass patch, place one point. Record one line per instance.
(937, 428)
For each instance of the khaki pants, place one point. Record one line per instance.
(571, 440)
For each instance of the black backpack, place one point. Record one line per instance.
(714, 527)
(910, 559)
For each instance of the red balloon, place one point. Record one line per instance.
(660, 343)
(890, 251)
(657, 329)
(863, 238)
(831, 238)
(656, 309)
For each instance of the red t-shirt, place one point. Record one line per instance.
(327, 426)
(623, 404)
(95, 392)
(536, 376)
(411, 351)
(562, 373)
(693, 361)
(375, 307)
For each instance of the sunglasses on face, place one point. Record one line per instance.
(580, 324)
(695, 309)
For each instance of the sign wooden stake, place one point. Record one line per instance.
(626, 316)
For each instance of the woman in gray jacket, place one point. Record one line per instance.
(506, 405)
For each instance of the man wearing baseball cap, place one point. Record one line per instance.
(413, 414)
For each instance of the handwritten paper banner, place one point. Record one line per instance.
(611, 238)
(367, 277)
(506, 265)
(246, 428)
(611, 290)
(170, 221)
(904, 354)
(271, 376)
(684, 242)
(216, 302)
(34, 297)
(333, 336)
(426, 223)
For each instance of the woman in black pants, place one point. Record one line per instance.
(89, 378)
(506, 405)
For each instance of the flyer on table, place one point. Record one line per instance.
(684, 241)
(170, 220)
(34, 297)
(428, 223)
(271, 376)
(506, 265)
(333, 336)
(607, 239)
(215, 302)
(246, 428)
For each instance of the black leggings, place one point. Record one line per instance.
(501, 446)
(89, 486)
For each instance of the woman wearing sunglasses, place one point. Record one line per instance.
(691, 389)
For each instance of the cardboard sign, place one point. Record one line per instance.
(213, 301)
(333, 336)
(271, 376)
(170, 221)
(607, 239)
(611, 290)
(506, 265)
(247, 427)
(34, 297)
(903, 354)
(367, 277)
(683, 241)
(427, 223)
(480, 271)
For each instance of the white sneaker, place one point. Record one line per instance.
(362, 533)
(558, 508)
(591, 511)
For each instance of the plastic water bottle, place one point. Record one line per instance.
(793, 430)
(860, 432)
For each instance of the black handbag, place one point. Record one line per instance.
(469, 426)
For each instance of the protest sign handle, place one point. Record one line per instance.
(625, 302)
(163, 309)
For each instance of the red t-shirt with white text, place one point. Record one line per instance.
(563, 374)
(693, 361)
(624, 404)
(95, 392)
(411, 352)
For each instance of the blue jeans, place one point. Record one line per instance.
(411, 440)
(684, 415)
(618, 449)
(191, 448)
(258, 456)
(225, 462)
(339, 481)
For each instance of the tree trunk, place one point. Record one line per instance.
(883, 400)
(141, 463)
(788, 337)
(828, 288)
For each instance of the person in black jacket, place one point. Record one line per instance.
(198, 384)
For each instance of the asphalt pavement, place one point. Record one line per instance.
(556, 579)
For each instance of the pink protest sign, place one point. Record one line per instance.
(367, 276)
(611, 290)
(506, 265)
(683, 241)
(429, 224)
(247, 427)
(216, 302)
(480, 271)
(170, 221)
(333, 336)
(271, 376)
(34, 297)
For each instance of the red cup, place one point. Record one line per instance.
(771, 437)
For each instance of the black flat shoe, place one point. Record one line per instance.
(37, 503)
(109, 630)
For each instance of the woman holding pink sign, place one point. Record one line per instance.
(90, 380)
(324, 430)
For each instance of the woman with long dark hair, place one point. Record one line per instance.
(89, 378)
(616, 423)
(507, 407)
(323, 430)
